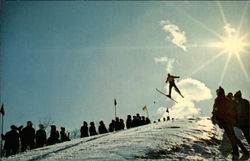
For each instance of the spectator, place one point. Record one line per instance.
(143, 120)
(41, 136)
(54, 136)
(102, 128)
(11, 138)
(92, 130)
(27, 136)
(122, 125)
(168, 118)
(129, 122)
(117, 124)
(148, 120)
(64, 136)
(84, 130)
(112, 126)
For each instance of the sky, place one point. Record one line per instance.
(68, 60)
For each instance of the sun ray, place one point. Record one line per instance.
(222, 13)
(198, 46)
(224, 69)
(243, 15)
(242, 67)
(207, 62)
(198, 22)
(245, 35)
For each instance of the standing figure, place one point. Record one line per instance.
(171, 81)
(112, 126)
(122, 125)
(129, 122)
(92, 130)
(27, 136)
(243, 111)
(54, 136)
(102, 128)
(84, 130)
(64, 136)
(11, 138)
(41, 136)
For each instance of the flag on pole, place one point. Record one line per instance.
(145, 108)
(2, 110)
(115, 103)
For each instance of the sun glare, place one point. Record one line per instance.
(232, 44)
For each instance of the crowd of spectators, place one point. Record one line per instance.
(19, 139)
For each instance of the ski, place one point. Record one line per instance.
(165, 95)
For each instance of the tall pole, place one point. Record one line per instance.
(115, 111)
(2, 114)
(1, 146)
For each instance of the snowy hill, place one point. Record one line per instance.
(184, 139)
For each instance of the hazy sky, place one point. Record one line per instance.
(69, 60)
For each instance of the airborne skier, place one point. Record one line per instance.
(171, 81)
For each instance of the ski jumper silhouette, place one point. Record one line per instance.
(171, 80)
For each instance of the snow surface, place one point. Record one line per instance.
(184, 139)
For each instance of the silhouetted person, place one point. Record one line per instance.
(143, 120)
(243, 111)
(102, 128)
(135, 121)
(164, 119)
(27, 136)
(117, 124)
(54, 136)
(41, 137)
(84, 130)
(129, 122)
(139, 119)
(122, 125)
(64, 136)
(11, 138)
(92, 130)
(112, 126)
(171, 81)
(148, 120)
(168, 118)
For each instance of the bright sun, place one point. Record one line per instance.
(232, 44)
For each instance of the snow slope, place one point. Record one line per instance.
(184, 139)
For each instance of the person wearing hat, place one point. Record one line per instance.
(11, 138)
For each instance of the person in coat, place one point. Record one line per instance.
(84, 130)
(54, 136)
(92, 130)
(102, 128)
(27, 136)
(11, 143)
(64, 136)
(41, 137)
